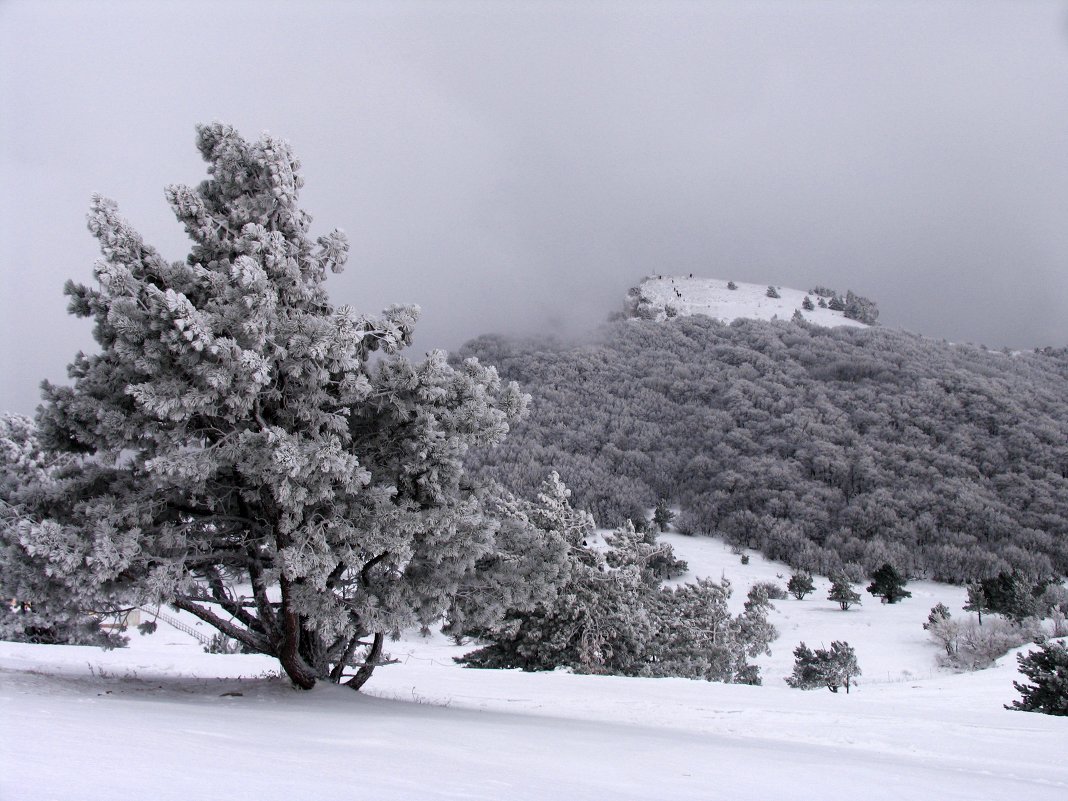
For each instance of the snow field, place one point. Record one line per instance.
(710, 296)
(163, 720)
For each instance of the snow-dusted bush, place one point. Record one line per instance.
(970, 645)
(773, 590)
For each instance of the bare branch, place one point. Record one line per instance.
(244, 636)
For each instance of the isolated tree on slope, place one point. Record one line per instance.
(662, 514)
(831, 668)
(842, 592)
(234, 433)
(800, 584)
(888, 584)
(976, 599)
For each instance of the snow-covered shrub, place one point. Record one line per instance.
(773, 590)
(970, 645)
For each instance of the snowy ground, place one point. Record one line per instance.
(710, 296)
(162, 720)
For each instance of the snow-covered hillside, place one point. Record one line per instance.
(163, 720)
(661, 296)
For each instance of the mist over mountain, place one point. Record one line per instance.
(827, 446)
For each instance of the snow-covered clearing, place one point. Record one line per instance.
(162, 720)
(711, 297)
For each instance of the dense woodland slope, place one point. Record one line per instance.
(824, 447)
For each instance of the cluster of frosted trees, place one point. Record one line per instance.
(833, 449)
(612, 615)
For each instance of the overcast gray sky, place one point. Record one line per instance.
(516, 166)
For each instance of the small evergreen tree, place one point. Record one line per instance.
(823, 303)
(888, 584)
(807, 304)
(772, 292)
(800, 584)
(842, 592)
(840, 666)
(662, 515)
(859, 308)
(1011, 595)
(976, 600)
(1047, 668)
(731, 285)
(798, 317)
(831, 668)
(806, 675)
(836, 304)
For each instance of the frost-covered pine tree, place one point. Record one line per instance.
(238, 454)
(598, 622)
(1047, 668)
(842, 592)
(800, 584)
(662, 514)
(976, 599)
(888, 584)
(831, 668)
